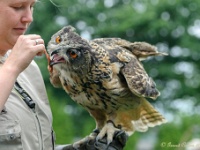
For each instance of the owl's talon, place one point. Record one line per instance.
(96, 131)
(109, 129)
(85, 140)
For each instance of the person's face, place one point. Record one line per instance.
(15, 17)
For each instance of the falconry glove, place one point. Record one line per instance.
(118, 143)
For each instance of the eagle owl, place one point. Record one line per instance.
(106, 77)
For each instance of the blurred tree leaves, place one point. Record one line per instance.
(172, 25)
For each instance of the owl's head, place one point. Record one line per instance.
(66, 47)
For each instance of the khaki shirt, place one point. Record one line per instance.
(22, 128)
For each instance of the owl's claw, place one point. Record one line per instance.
(86, 140)
(108, 130)
(118, 143)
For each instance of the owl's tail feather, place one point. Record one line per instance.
(140, 118)
(146, 116)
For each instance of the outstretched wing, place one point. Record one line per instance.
(141, 50)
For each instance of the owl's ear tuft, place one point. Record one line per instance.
(69, 29)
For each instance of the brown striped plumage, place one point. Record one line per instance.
(106, 77)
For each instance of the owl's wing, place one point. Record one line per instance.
(129, 54)
(137, 79)
(140, 49)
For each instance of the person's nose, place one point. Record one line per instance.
(28, 16)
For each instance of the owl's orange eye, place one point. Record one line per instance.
(73, 54)
(58, 39)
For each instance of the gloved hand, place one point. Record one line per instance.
(118, 143)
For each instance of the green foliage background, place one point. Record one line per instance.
(172, 25)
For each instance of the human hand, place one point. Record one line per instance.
(23, 52)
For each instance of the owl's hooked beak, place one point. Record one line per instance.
(55, 58)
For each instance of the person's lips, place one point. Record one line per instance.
(20, 30)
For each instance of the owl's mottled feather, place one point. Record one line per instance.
(106, 77)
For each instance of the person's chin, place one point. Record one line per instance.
(13, 40)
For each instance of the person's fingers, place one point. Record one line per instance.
(38, 41)
(33, 36)
(40, 53)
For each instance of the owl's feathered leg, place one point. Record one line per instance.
(108, 130)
